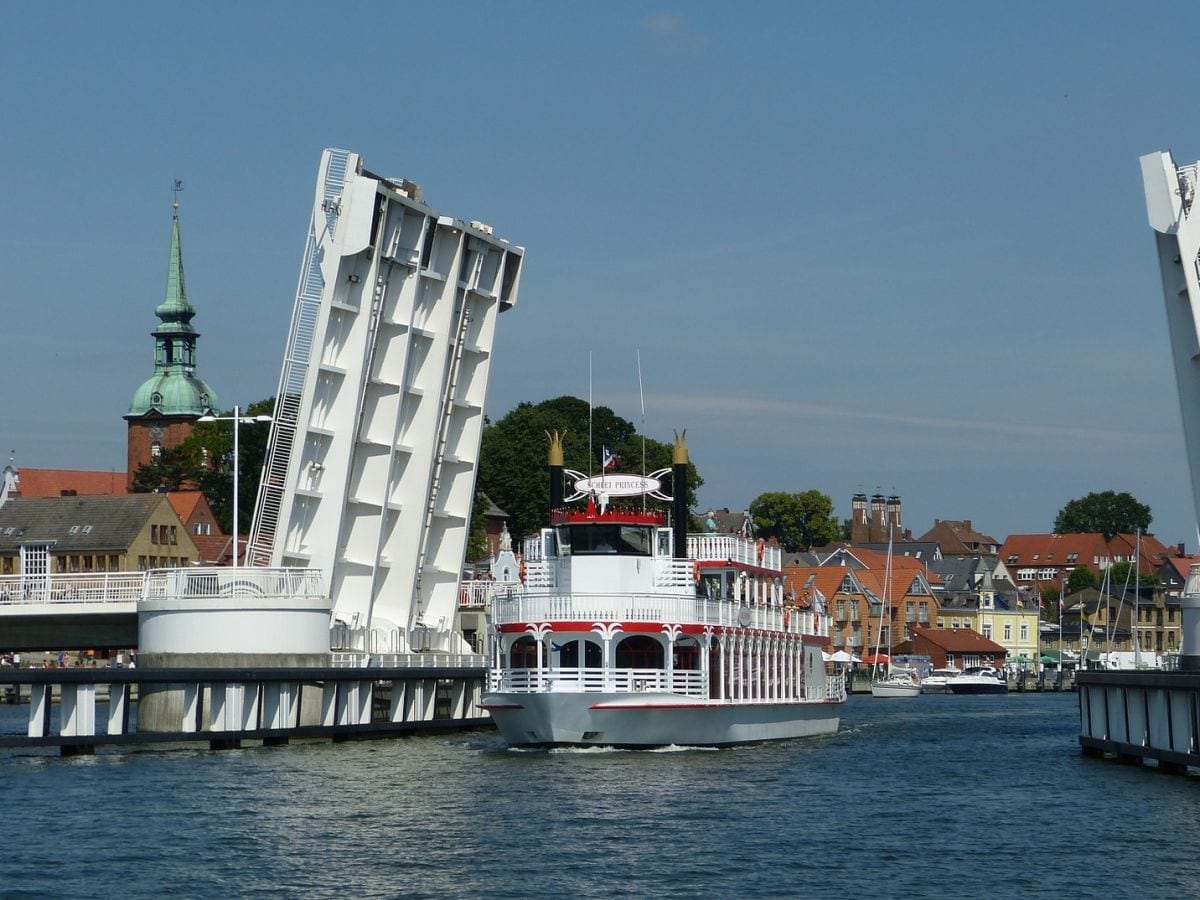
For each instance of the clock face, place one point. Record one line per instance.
(156, 431)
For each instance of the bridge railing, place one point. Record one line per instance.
(196, 584)
(72, 587)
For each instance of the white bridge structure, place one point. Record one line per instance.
(371, 461)
(365, 502)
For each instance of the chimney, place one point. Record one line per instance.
(859, 532)
(878, 532)
(893, 513)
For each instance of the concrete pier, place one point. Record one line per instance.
(1142, 716)
(226, 706)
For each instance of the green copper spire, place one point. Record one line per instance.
(174, 390)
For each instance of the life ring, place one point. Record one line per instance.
(696, 571)
(762, 546)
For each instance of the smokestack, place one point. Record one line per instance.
(556, 468)
(679, 486)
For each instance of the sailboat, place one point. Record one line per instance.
(899, 682)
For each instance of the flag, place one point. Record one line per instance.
(1060, 606)
(608, 459)
(818, 602)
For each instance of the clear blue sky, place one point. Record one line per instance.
(881, 246)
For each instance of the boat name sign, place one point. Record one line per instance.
(619, 485)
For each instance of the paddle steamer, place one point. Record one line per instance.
(627, 631)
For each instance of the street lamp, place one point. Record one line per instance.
(237, 419)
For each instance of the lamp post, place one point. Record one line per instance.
(237, 419)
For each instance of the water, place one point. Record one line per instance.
(941, 796)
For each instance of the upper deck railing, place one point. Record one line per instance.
(596, 608)
(734, 549)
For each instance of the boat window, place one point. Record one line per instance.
(606, 538)
(664, 542)
(640, 651)
(568, 656)
(523, 654)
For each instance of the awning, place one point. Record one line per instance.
(842, 657)
(872, 659)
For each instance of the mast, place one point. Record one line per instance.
(679, 487)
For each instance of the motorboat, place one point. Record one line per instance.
(938, 681)
(979, 680)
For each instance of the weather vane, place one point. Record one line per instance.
(175, 190)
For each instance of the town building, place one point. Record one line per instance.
(959, 538)
(92, 534)
(34, 483)
(1047, 560)
(164, 409)
(960, 648)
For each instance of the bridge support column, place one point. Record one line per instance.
(39, 710)
(77, 710)
(193, 705)
(118, 708)
(397, 706)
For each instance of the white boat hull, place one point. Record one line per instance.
(978, 686)
(652, 720)
(887, 689)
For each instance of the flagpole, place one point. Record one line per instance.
(1062, 594)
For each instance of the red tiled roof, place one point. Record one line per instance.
(957, 640)
(185, 502)
(52, 482)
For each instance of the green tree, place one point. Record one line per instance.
(1106, 513)
(174, 469)
(205, 462)
(1122, 573)
(1081, 577)
(216, 480)
(797, 521)
(513, 453)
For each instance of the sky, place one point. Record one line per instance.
(872, 247)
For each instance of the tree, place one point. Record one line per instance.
(797, 521)
(1121, 574)
(1081, 577)
(205, 462)
(1106, 513)
(513, 453)
(174, 469)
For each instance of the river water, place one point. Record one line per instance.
(941, 796)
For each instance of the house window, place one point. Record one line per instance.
(196, 528)
(987, 631)
(142, 563)
(154, 534)
(174, 539)
(114, 564)
(1024, 632)
(1012, 560)
(1008, 631)
(155, 450)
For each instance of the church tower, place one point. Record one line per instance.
(167, 405)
